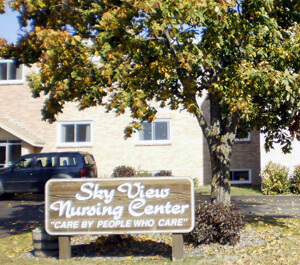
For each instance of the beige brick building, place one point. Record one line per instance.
(174, 141)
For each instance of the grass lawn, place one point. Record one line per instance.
(235, 190)
(272, 241)
(265, 241)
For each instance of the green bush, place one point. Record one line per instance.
(216, 223)
(124, 171)
(163, 173)
(295, 181)
(275, 179)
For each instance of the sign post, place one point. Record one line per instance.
(177, 247)
(64, 244)
(120, 206)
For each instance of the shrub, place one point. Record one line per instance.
(275, 179)
(216, 223)
(163, 173)
(295, 181)
(124, 171)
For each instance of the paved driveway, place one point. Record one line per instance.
(268, 206)
(22, 215)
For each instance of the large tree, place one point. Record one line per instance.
(242, 56)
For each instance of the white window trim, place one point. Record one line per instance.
(242, 181)
(245, 139)
(157, 142)
(74, 144)
(13, 82)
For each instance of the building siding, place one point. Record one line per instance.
(186, 154)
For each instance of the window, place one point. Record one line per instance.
(10, 151)
(10, 73)
(89, 160)
(75, 133)
(24, 163)
(157, 131)
(239, 138)
(240, 176)
(67, 161)
(45, 162)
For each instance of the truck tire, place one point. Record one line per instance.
(3, 195)
(62, 176)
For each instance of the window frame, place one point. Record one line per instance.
(61, 143)
(13, 81)
(153, 141)
(242, 181)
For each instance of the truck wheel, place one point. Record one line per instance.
(62, 176)
(7, 196)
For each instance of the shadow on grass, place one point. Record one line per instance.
(263, 221)
(122, 246)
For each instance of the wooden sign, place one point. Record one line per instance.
(118, 206)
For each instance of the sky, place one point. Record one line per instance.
(9, 26)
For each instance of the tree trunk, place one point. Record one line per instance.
(220, 163)
(219, 133)
(220, 139)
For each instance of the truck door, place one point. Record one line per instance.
(21, 176)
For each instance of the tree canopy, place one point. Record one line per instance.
(244, 56)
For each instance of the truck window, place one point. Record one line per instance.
(67, 161)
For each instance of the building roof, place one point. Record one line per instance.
(17, 130)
